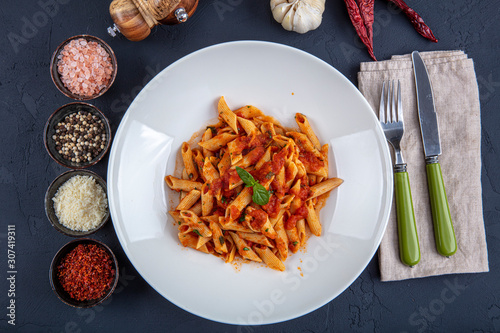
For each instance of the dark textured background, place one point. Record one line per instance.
(28, 97)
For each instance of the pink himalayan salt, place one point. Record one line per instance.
(85, 67)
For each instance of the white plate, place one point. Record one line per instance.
(281, 81)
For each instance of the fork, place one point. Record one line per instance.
(391, 120)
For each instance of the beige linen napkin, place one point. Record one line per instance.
(457, 105)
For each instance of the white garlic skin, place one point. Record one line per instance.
(298, 15)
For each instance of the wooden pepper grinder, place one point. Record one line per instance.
(135, 18)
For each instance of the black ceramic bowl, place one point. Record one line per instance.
(58, 116)
(56, 284)
(49, 203)
(56, 78)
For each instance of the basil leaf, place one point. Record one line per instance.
(213, 129)
(246, 249)
(221, 240)
(245, 177)
(260, 194)
(197, 232)
(242, 217)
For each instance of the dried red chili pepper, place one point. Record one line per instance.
(366, 8)
(359, 25)
(86, 272)
(416, 20)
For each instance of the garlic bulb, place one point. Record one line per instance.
(298, 15)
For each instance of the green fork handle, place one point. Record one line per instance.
(409, 249)
(444, 233)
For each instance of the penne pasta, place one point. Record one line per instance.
(196, 208)
(202, 241)
(234, 226)
(189, 200)
(187, 158)
(301, 231)
(324, 187)
(270, 258)
(320, 202)
(255, 238)
(251, 158)
(224, 163)
(248, 112)
(185, 177)
(207, 200)
(233, 211)
(264, 158)
(291, 172)
(218, 238)
(176, 215)
(248, 126)
(267, 230)
(227, 115)
(324, 152)
(217, 142)
(191, 241)
(207, 135)
(268, 129)
(293, 239)
(231, 249)
(177, 184)
(209, 172)
(243, 248)
(306, 128)
(258, 212)
(312, 219)
(194, 222)
(281, 239)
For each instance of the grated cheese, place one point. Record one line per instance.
(80, 203)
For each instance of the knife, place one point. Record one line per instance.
(444, 233)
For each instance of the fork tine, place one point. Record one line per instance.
(393, 105)
(400, 103)
(388, 105)
(381, 110)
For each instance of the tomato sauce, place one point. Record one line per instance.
(304, 191)
(279, 160)
(234, 212)
(241, 144)
(300, 214)
(261, 175)
(259, 140)
(272, 208)
(260, 218)
(232, 177)
(311, 161)
(216, 185)
(278, 189)
(255, 155)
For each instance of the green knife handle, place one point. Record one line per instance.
(444, 234)
(409, 249)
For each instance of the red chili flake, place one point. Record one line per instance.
(86, 272)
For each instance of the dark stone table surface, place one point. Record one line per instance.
(32, 29)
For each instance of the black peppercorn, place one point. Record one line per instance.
(76, 137)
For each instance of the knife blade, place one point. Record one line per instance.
(444, 233)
